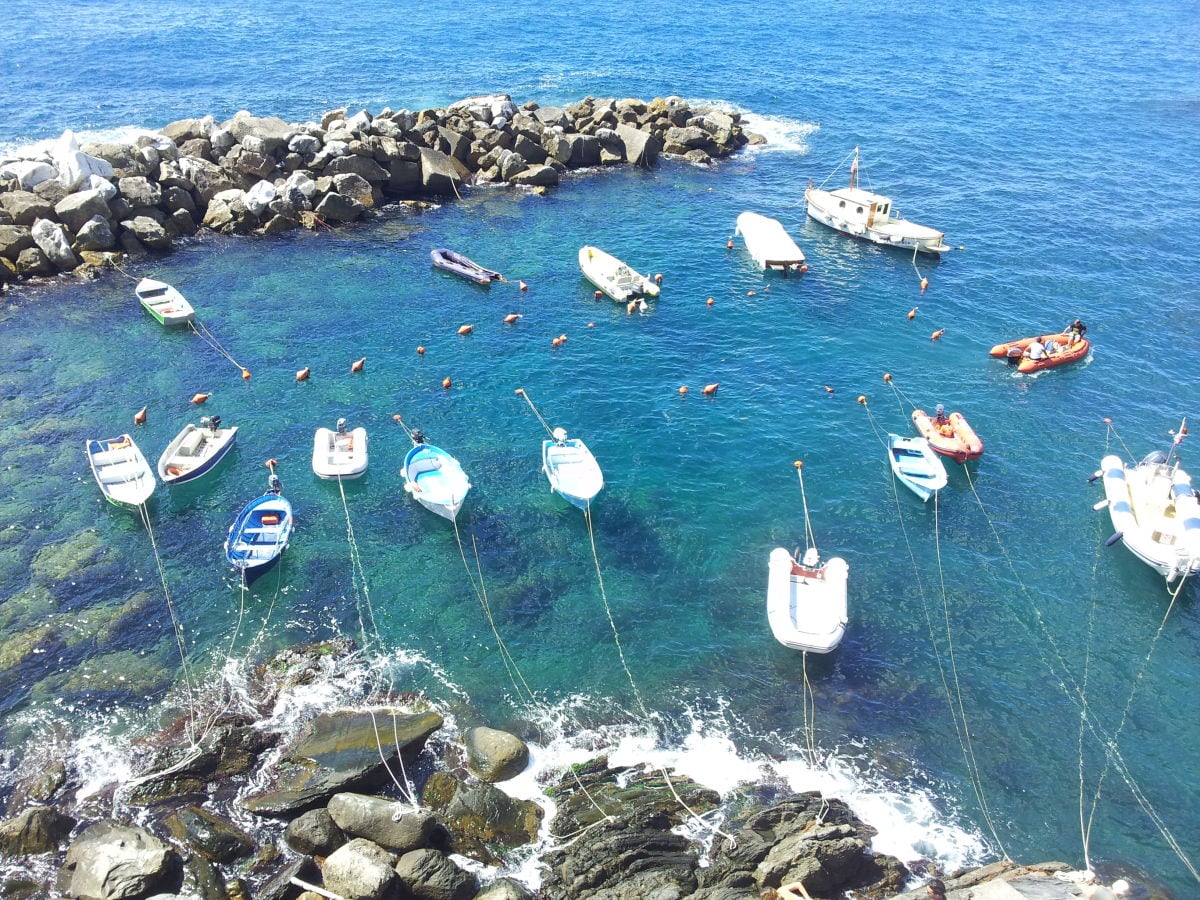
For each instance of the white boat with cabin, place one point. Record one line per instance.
(769, 244)
(861, 213)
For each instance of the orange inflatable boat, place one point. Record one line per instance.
(951, 436)
(1066, 352)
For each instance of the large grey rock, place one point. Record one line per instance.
(338, 208)
(482, 820)
(213, 836)
(341, 751)
(52, 240)
(209, 178)
(355, 187)
(679, 141)
(536, 176)
(73, 165)
(95, 234)
(14, 239)
(183, 221)
(184, 130)
(429, 875)
(26, 207)
(388, 823)
(111, 861)
(32, 262)
(38, 829)
(441, 174)
(123, 158)
(505, 889)
(149, 232)
(76, 209)
(139, 191)
(641, 147)
(314, 833)
(360, 870)
(304, 144)
(404, 176)
(362, 166)
(29, 173)
(274, 133)
(494, 755)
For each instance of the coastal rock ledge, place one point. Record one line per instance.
(76, 208)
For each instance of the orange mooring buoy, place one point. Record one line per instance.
(562, 338)
(357, 365)
(828, 389)
(750, 293)
(554, 342)
(139, 417)
(245, 374)
(271, 463)
(522, 285)
(658, 278)
(599, 294)
(887, 376)
(729, 244)
(591, 324)
(709, 301)
(937, 334)
(924, 284)
(446, 382)
(303, 374)
(520, 392)
(420, 351)
(711, 388)
(912, 313)
(630, 307)
(465, 329)
(862, 399)
(511, 317)
(200, 398)
(683, 389)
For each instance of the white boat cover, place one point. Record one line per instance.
(768, 243)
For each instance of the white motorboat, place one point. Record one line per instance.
(613, 277)
(1154, 511)
(338, 453)
(435, 478)
(571, 469)
(769, 244)
(195, 451)
(164, 302)
(121, 471)
(915, 465)
(864, 214)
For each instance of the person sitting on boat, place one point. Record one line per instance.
(1076, 330)
(1036, 349)
(341, 426)
(942, 423)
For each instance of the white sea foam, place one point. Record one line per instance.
(127, 134)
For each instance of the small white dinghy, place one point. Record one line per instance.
(339, 453)
(195, 451)
(915, 465)
(614, 277)
(121, 471)
(769, 245)
(571, 469)
(1154, 511)
(806, 599)
(164, 302)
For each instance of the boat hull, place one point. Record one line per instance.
(613, 277)
(915, 465)
(457, 264)
(955, 439)
(1154, 509)
(572, 471)
(259, 535)
(163, 302)
(806, 607)
(121, 471)
(436, 480)
(339, 455)
(194, 452)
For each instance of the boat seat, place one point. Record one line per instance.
(112, 457)
(115, 474)
(191, 443)
(423, 465)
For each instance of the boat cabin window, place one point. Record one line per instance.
(859, 210)
(883, 210)
(841, 204)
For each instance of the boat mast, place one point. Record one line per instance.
(854, 170)
(1179, 436)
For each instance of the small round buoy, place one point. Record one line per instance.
(554, 342)
(729, 244)
(591, 324)
(799, 464)
(511, 317)
(937, 334)
(750, 293)
(711, 388)
(862, 399)
(522, 286)
(912, 313)
(924, 284)
(683, 389)
(803, 268)
(271, 463)
(200, 398)
(519, 391)
(658, 278)
(303, 374)
(397, 418)
(446, 382)
(630, 307)
(1107, 420)
(139, 417)
(420, 351)
(357, 365)
(709, 301)
(599, 294)
(562, 338)
(465, 329)
(245, 374)
(887, 376)
(828, 389)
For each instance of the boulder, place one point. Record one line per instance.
(259, 197)
(111, 861)
(176, 198)
(361, 166)
(184, 130)
(26, 207)
(139, 191)
(341, 751)
(441, 174)
(53, 241)
(505, 889)
(200, 148)
(337, 208)
(220, 140)
(314, 833)
(14, 239)
(29, 173)
(123, 158)
(404, 176)
(38, 829)
(76, 209)
(510, 164)
(304, 144)
(94, 234)
(679, 141)
(494, 755)
(360, 870)
(149, 232)
(175, 770)
(73, 165)
(209, 178)
(183, 221)
(482, 820)
(212, 836)
(429, 875)
(32, 262)
(388, 823)
(272, 132)
(536, 176)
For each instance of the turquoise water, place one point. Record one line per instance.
(1056, 156)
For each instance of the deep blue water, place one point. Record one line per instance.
(1056, 145)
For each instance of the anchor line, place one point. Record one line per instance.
(358, 577)
(528, 400)
(201, 330)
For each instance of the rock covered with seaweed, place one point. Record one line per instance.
(74, 207)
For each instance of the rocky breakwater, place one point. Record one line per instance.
(73, 208)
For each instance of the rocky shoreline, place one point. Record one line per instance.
(378, 802)
(76, 209)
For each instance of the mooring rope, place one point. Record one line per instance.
(201, 330)
(522, 393)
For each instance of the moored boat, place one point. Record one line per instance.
(613, 277)
(769, 244)
(1045, 351)
(434, 478)
(164, 302)
(571, 469)
(195, 451)
(872, 217)
(915, 465)
(121, 471)
(948, 435)
(1154, 510)
(457, 264)
(338, 453)
(260, 533)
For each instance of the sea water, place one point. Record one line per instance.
(1055, 145)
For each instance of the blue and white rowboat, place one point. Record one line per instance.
(259, 534)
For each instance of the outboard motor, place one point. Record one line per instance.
(1157, 458)
(812, 559)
